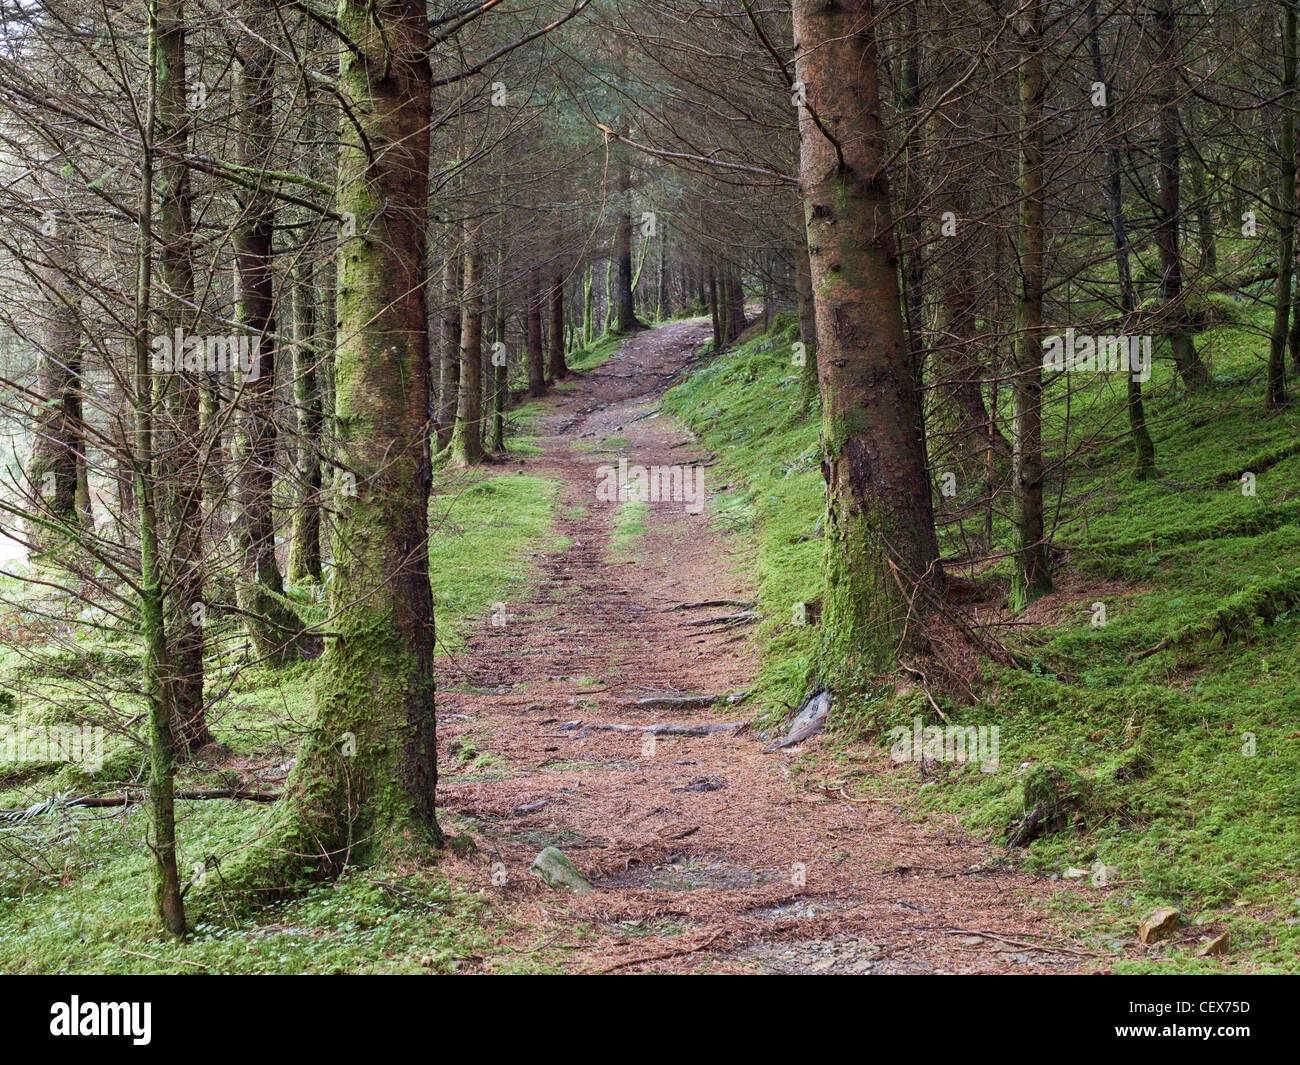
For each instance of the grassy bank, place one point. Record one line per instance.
(1177, 719)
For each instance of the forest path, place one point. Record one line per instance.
(706, 854)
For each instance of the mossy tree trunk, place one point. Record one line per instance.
(1205, 208)
(304, 540)
(274, 629)
(588, 307)
(807, 313)
(182, 469)
(364, 786)
(449, 349)
(1286, 221)
(1030, 576)
(500, 367)
(157, 673)
(467, 438)
(882, 572)
(1190, 367)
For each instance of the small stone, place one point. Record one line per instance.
(1217, 945)
(1158, 924)
(971, 941)
(1075, 874)
(553, 868)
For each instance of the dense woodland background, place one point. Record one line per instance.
(417, 225)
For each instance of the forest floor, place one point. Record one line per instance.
(706, 854)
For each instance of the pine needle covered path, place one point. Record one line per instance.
(574, 720)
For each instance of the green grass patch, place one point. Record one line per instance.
(75, 892)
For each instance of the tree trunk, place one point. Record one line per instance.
(304, 541)
(1190, 367)
(364, 786)
(882, 570)
(735, 305)
(166, 38)
(1204, 217)
(182, 468)
(625, 319)
(467, 439)
(588, 309)
(55, 468)
(557, 369)
(958, 356)
(1030, 577)
(807, 313)
(715, 310)
(501, 369)
(274, 629)
(913, 257)
(1142, 445)
(536, 353)
(449, 345)
(1286, 222)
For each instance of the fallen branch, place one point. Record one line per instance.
(679, 702)
(709, 602)
(1017, 942)
(128, 799)
(662, 957)
(745, 617)
(665, 729)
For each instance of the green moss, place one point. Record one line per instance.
(596, 354)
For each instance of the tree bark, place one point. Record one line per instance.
(56, 468)
(467, 439)
(304, 541)
(182, 469)
(364, 786)
(557, 369)
(882, 571)
(807, 313)
(449, 345)
(1030, 576)
(625, 319)
(1190, 367)
(1142, 445)
(1276, 396)
(166, 34)
(501, 369)
(536, 353)
(274, 629)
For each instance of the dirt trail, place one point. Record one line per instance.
(706, 854)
